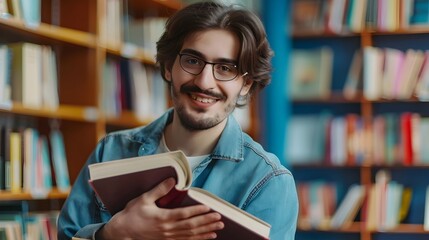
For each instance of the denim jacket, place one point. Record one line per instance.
(238, 170)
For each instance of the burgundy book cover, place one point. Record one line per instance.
(115, 192)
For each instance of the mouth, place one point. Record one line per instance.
(203, 99)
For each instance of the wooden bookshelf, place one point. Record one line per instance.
(73, 29)
(344, 44)
(65, 112)
(58, 34)
(54, 194)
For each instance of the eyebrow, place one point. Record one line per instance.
(201, 55)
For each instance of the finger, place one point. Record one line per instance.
(160, 190)
(203, 229)
(197, 221)
(206, 231)
(186, 212)
(211, 235)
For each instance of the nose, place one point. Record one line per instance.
(205, 80)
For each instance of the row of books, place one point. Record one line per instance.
(394, 74)
(29, 161)
(28, 74)
(378, 73)
(343, 16)
(387, 139)
(131, 85)
(28, 226)
(23, 10)
(311, 73)
(125, 26)
(383, 205)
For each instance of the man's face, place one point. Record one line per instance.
(201, 101)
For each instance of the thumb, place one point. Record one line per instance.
(160, 190)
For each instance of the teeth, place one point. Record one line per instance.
(203, 100)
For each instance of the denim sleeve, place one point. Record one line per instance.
(82, 214)
(277, 204)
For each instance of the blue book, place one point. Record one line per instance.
(31, 12)
(420, 14)
(59, 161)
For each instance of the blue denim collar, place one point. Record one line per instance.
(229, 146)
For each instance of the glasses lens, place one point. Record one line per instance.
(191, 64)
(221, 71)
(225, 71)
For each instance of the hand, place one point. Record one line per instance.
(143, 219)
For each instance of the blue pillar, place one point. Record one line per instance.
(275, 106)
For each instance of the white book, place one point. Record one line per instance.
(422, 88)
(348, 207)
(426, 217)
(50, 96)
(392, 65)
(142, 94)
(26, 74)
(409, 79)
(5, 88)
(372, 72)
(338, 141)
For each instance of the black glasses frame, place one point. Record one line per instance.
(205, 63)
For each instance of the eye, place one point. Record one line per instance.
(190, 60)
(226, 68)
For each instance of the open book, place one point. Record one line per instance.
(117, 182)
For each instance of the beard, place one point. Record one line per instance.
(187, 118)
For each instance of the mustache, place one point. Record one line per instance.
(195, 89)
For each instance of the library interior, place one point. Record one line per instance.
(343, 112)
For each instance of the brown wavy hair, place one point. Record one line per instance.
(255, 53)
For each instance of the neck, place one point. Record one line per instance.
(192, 142)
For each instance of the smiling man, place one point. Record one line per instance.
(213, 58)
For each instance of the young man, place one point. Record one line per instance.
(213, 57)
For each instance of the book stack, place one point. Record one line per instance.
(26, 159)
(354, 16)
(29, 76)
(386, 139)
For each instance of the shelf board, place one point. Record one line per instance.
(9, 196)
(412, 30)
(354, 227)
(331, 166)
(131, 52)
(338, 97)
(324, 165)
(322, 34)
(406, 228)
(127, 119)
(66, 112)
(167, 6)
(52, 32)
(358, 227)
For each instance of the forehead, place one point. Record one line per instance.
(214, 44)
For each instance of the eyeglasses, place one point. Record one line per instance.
(221, 71)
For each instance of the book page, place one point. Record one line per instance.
(175, 159)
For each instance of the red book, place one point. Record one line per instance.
(406, 139)
(118, 182)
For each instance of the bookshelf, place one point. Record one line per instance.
(345, 43)
(81, 52)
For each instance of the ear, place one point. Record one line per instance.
(246, 86)
(167, 74)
